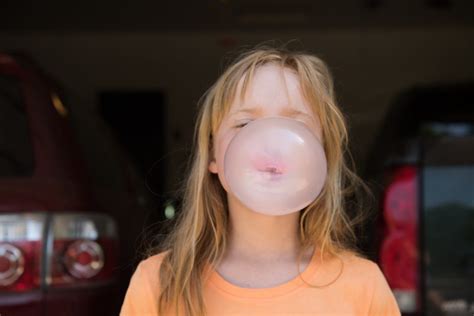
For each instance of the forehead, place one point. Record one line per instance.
(271, 88)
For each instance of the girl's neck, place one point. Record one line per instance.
(258, 236)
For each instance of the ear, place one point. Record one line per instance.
(212, 163)
(212, 166)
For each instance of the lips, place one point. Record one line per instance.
(273, 168)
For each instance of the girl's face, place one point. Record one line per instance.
(266, 96)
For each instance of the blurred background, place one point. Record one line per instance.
(97, 108)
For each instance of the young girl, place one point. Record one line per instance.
(224, 258)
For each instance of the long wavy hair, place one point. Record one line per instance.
(198, 236)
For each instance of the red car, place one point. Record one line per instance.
(58, 249)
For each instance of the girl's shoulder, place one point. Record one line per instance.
(365, 279)
(143, 288)
(357, 262)
(349, 268)
(152, 263)
(149, 268)
(358, 266)
(154, 259)
(353, 260)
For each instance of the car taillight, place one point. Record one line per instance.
(399, 247)
(12, 264)
(84, 249)
(44, 249)
(21, 251)
(84, 259)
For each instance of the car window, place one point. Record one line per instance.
(448, 219)
(16, 153)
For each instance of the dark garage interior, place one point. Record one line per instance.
(127, 79)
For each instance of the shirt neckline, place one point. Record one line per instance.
(298, 281)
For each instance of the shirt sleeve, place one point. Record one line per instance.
(383, 301)
(139, 299)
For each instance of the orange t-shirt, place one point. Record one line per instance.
(361, 289)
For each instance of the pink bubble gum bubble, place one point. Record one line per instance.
(275, 166)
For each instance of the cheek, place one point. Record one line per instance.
(221, 147)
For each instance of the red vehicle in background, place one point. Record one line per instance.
(58, 249)
(423, 161)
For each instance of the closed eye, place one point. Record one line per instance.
(240, 125)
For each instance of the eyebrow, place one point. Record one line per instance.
(247, 110)
(289, 112)
(294, 112)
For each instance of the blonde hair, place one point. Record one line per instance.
(199, 235)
